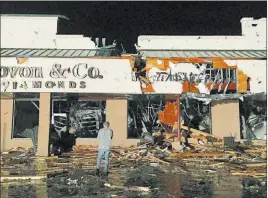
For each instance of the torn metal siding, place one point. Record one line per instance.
(166, 76)
(202, 75)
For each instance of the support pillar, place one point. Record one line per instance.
(6, 123)
(179, 117)
(225, 118)
(44, 124)
(116, 114)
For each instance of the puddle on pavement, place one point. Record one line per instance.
(162, 181)
(180, 180)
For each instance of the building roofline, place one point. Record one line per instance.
(253, 19)
(144, 49)
(56, 53)
(191, 36)
(35, 15)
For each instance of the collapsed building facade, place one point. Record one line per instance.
(54, 83)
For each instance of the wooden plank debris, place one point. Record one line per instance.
(257, 165)
(12, 178)
(198, 132)
(249, 172)
(187, 154)
(133, 188)
(159, 160)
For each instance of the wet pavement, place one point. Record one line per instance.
(76, 178)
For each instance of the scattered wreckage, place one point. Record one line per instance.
(148, 120)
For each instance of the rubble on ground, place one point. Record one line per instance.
(163, 148)
(150, 169)
(239, 158)
(145, 170)
(191, 177)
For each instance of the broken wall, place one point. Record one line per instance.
(253, 37)
(34, 31)
(252, 71)
(200, 75)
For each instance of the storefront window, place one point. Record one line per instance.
(85, 117)
(143, 114)
(196, 114)
(154, 113)
(25, 115)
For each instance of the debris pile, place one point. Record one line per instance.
(160, 148)
(19, 151)
(148, 170)
(163, 149)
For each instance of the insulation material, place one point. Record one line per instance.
(242, 82)
(169, 115)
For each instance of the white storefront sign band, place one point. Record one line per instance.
(84, 76)
(68, 75)
(115, 76)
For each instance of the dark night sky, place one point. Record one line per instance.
(125, 21)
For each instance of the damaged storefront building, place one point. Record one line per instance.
(52, 83)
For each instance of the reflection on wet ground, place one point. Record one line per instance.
(125, 180)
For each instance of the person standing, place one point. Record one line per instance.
(104, 138)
